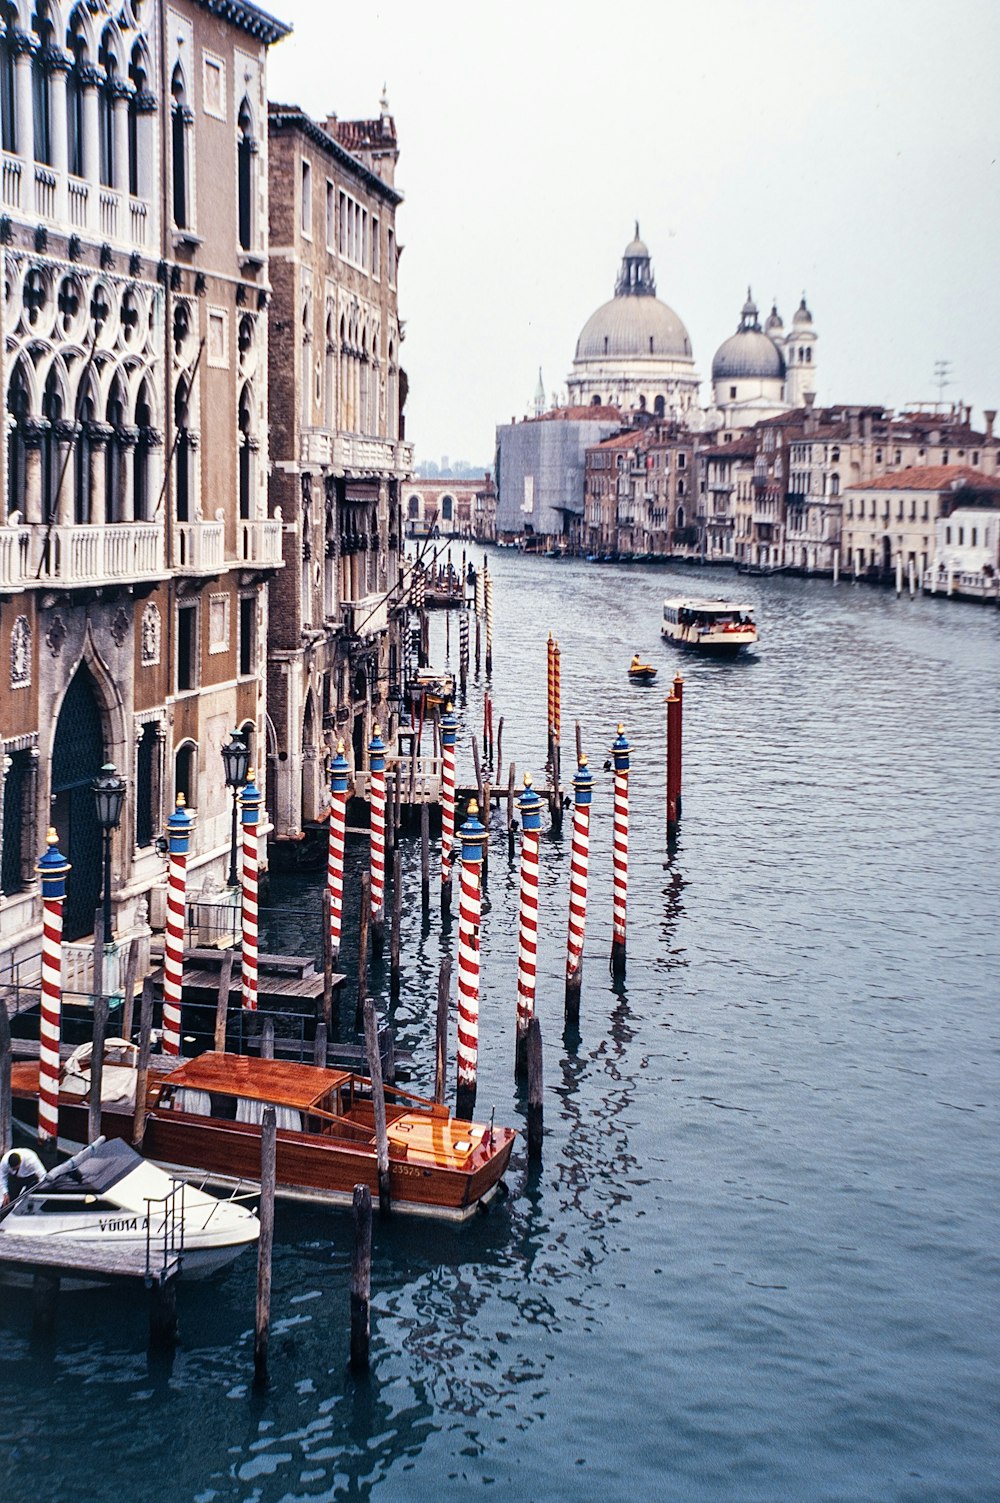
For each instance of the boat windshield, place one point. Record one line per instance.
(93, 1172)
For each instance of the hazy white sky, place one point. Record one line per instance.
(850, 149)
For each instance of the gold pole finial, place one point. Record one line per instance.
(181, 801)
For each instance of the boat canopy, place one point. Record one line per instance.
(92, 1172)
(277, 1082)
(708, 607)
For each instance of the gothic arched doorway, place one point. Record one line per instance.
(77, 758)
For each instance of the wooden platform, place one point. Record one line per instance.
(37, 1254)
(280, 979)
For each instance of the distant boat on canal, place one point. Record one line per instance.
(719, 627)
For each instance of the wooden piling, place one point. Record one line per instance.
(142, 1069)
(397, 919)
(327, 959)
(319, 1045)
(5, 1062)
(97, 1065)
(478, 645)
(265, 1244)
(222, 1001)
(378, 1106)
(535, 1113)
(361, 1278)
(441, 1031)
(679, 768)
(498, 764)
(511, 777)
(364, 918)
(425, 858)
(128, 999)
(267, 1039)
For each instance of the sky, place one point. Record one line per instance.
(849, 150)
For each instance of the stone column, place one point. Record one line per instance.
(128, 438)
(23, 46)
(59, 65)
(99, 434)
(64, 508)
(90, 80)
(32, 501)
(122, 93)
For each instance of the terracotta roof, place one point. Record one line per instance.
(292, 116)
(935, 477)
(740, 448)
(578, 415)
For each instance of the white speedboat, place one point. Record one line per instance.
(108, 1197)
(722, 627)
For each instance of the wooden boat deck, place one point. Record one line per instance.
(40, 1254)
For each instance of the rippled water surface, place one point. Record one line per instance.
(760, 1258)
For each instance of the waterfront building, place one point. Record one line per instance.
(450, 508)
(634, 353)
(893, 518)
(135, 559)
(967, 546)
(725, 473)
(541, 472)
(338, 447)
(641, 492)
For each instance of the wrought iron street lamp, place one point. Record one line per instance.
(236, 761)
(109, 797)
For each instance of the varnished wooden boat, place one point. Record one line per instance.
(203, 1121)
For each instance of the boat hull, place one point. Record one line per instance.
(714, 644)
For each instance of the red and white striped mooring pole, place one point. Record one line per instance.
(449, 731)
(619, 908)
(376, 795)
(335, 858)
(250, 802)
(52, 869)
(472, 835)
(179, 827)
(583, 784)
(530, 806)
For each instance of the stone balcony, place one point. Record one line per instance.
(355, 453)
(366, 617)
(80, 557)
(37, 191)
(200, 547)
(260, 542)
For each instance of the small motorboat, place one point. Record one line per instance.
(107, 1196)
(641, 673)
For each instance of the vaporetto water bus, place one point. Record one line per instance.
(722, 627)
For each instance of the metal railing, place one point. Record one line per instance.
(172, 1243)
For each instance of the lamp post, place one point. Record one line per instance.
(236, 762)
(109, 796)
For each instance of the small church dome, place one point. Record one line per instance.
(749, 352)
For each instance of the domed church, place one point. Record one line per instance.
(758, 373)
(634, 352)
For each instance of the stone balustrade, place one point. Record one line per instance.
(200, 547)
(85, 555)
(260, 542)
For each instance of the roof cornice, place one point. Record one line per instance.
(290, 117)
(266, 28)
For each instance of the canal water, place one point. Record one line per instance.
(760, 1259)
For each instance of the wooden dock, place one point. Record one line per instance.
(281, 979)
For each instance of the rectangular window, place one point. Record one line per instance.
(961, 537)
(363, 249)
(187, 647)
(331, 216)
(342, 225)
(306, 221)
(376, 251)
(214, 86)
(218, 623)
(947, 534)
(972, 537)
(145, 783)
(218, 339)
(248, 624)
(391, 273)
(15, 784)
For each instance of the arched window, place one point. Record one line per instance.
(247, 444)
(659, 406)
(680, 516)
(106, 109)
(41, 83)
(76, 42)
(835, 485)
(140, 105)
(180, 118)
(183, 477)
(18, 404)
(141, 498)
(83, 462)
(245, 151)
(186, 773)
(8, 78)
(114, 510)
(52, 411)
(413, 507)
(447, 508)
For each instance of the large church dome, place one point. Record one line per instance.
(749, 352)
(634, 325)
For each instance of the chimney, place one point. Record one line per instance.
(854, 429)
(990, 414)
